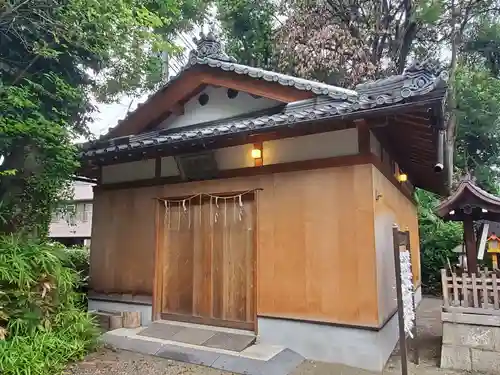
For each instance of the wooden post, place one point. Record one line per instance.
(399, 298)
(470, 245)
(416, 357)
(444, 282)
(131, 319)
(115, 322)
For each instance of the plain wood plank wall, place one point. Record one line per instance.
(122, 256)
(315, 230)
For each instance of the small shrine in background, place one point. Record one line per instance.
(471, 300)
(469, 203)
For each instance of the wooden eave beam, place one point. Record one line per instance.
(417, 163)
(181, 89)
(269, 90)
(178, 109)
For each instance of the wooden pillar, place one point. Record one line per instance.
(470, 245)
(403, 348)
(364, 147)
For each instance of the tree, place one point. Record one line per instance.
(55, 54)
(248, 29)
(311, 45)
(478, 118)
(345, 42)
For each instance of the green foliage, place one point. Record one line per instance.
(37, 144)
(55, 56)
(483, 44)
(47, 353)
(248, 30)
(437, 240)
(78, 259)
(478, 116)
(41, 326)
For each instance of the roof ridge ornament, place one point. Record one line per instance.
(427, 65)
(419, 78)
(209, 46)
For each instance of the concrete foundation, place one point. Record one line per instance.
(145, 309)
(334, 344)
(471, 342)
(322, 342)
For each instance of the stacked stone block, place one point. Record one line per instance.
(471, 342)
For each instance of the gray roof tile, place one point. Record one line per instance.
(417, 80)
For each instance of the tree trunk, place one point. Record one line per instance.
(451, 126)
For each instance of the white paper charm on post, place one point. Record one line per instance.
(407, 292)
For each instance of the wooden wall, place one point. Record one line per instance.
(122, 255)
(392, 207)
(315, 240)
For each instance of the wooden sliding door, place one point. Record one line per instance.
(209, 262)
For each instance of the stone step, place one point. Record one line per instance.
(258, 359)
(213, 337)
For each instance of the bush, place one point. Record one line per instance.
(41, 326)
(78, 258)
(437, 240)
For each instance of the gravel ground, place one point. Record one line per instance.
(109, 362)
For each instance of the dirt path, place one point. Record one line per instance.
(108, 362)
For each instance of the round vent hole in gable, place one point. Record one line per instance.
(203, 99)
(231, 93)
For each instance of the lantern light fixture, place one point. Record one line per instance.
(402, 177)
(256, 153)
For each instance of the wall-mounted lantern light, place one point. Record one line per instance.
(257, 155)
(402, 177)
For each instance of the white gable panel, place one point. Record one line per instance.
(219, 107)
(308, 147)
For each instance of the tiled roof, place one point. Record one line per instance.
(417, 80)
(466, 185)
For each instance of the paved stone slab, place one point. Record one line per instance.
(188, 355)
(161, 331)
(261, 351)
(229, 341)
(241, 365)
(134, 345)
(281, 364)
(485, 361)
(284, 362)
(193, 336)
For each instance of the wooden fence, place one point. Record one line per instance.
(473, 294)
